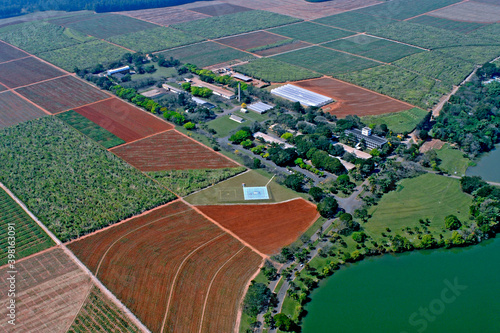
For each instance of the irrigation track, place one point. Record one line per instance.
(77, 261)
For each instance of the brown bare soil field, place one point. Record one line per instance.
(433, 144)
(284, 48)
(8, 52)
(166, 251)
(470, 12)
(123, 120)
(253, 39)
(15, 110)
(165, 16)
(171, 151)
(26, 71)
(220, 9)
(352, 100)
(267, 227)
(62, 94)
(50, 288)
(221, 311)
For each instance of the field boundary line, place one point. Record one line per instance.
(435, 10)
(132, 231)
(140, 19)
(102, 100)
(210, 287)
(181, 266)
(12, 60)
(121, 222)
(254, 203)
(33, 217)
(81, 306)
(33, 255)
(134, 141)
(396, 41)
(203, 189)
(196, 209)
(27, 100)
(122, 47)
(245, 290)
(43, 81)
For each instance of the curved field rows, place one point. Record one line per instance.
(161, 264)
(267, 227)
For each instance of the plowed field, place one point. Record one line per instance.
(220, 9)
(15, 110)
(167, 264)
(62, 94)
(352, 100)
(165, 16)
(50, 289)
(267, 227)
(123, 120)
(26, 71)
(171, 151)
(8, 52)
(251, 40)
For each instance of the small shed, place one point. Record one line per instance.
(242, 77)
(260, 107)
(236, 119)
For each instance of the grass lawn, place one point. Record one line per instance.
(398, 122)
(261, 278)
(161, 72)
(427, 196)
(452, 160)
(223, 125)
(290, 308)
(230, 191)
(311, 231)
(278, 286)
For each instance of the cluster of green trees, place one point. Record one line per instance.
(136, 98)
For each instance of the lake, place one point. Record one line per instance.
(456, 290)
(488, 166)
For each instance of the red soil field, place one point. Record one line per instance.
(171, 151)
(50, 288)
(267, 227)
(251, 40)
(26, 71)
(165, 16)
(284, 48)
(15, 110)
(220, 9)
(123, 120)
(166, 251)
(351, 99)
(62, 94)
(8, 52)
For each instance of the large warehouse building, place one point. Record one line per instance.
(301, 95)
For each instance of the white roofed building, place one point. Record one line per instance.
(260, 107)
(301, 95)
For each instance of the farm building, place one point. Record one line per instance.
(215, 89)
(356, 152)
(301, 95)
(260, 107)
(172, 89)
(202, 102)
(237, 119)
(242, 77)
(372, 141)
(118, 70)
(270, 139)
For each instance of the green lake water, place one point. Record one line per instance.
(456, 290)
(487, 167)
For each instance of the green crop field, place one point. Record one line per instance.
(427, 196)
(184, 182)
(404, 9)
(231, 191)
(441, 23)
(72, 184)
(398, 122)
(356, 21)
(374, 48)
(232, 24)
(36, 37)
(326, 61)
(207, 54)
(437, 65)
(157, 39)
(90, 129)
(84, 55)
(311, 32)
(478, 55)
(399, 83)
(29, 237)
(453, 161)
(272, 70)
(108, 25)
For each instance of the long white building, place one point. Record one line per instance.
(301, 95)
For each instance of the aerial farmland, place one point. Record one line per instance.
(152, 178)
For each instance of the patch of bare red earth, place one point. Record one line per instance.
(15, 110)
(50, 288)
(8, 53)
(351, 99)
(26, 71)
(266, 227)
(123, 120)
(170, 251)
(62, 94)
(171, 150)
(251, 40)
